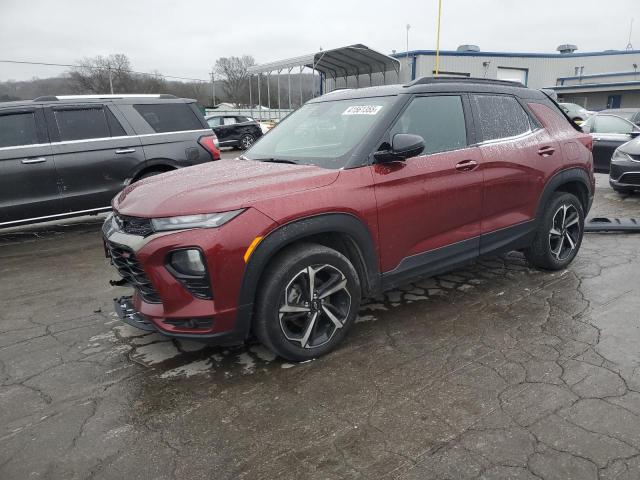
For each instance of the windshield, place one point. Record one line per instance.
(323, 134)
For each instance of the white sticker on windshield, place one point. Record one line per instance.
(362, 110)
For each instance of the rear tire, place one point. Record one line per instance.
(559, 233)
(308, 299)
(245, 142)
(151, 173)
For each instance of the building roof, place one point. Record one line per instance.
(348, 61)
(452, 53)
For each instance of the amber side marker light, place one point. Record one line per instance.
(251, 248)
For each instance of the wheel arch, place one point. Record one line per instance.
(572, 180)
(154, 165)
(341, 231)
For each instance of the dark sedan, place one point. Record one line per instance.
(608, 132)
(624, 175)
(235, 130)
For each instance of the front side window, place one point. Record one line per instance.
(18, 129)
(611, 124)
(169, 117)
(82, 124)
(500, 116)
(323, 134)
(439, 120)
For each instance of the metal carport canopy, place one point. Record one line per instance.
(353, 60)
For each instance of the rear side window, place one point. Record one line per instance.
(230, 120)
(82, 124)
(215, 121)
(439, 120)
(18, 129)
(500, 116)
(169, 117)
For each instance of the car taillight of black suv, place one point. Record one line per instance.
(62, 156)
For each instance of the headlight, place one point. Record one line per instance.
(619, 156)
(204, 220)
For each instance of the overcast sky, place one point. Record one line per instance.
(184, 38)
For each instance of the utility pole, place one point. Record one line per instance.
(213, 88)
(110, 78)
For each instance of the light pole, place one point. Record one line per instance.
(438, 39)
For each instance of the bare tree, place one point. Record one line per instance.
(100, 74)
(233, 71)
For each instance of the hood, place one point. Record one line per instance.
(217, 186)
(632, 147)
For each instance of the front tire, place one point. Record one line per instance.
(559, 233)
(309, 298)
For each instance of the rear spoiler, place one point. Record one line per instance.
(553, 100)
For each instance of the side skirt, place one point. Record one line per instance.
(447, 258)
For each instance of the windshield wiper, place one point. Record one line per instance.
(276, 160)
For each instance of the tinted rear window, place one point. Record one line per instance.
(169, 117)
(18, 129)
(500, 117)
(82, 124)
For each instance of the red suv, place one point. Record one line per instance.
(354, 193)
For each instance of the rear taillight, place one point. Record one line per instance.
(210, 144)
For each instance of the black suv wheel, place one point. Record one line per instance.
(559, 234)
(246, 141)
(308, 300)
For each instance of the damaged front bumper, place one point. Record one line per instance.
(124, 308)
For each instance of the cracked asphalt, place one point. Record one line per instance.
(495, 371)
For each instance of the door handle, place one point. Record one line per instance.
(120, 151)
(31, 161)
(546, 151)
(466, 165)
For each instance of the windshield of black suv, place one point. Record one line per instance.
(322, 134)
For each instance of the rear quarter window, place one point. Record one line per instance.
(169, 117)
(500, 116)
(18, 129)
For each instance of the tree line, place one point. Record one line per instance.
(115, 74)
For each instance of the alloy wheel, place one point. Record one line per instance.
(314, 306)
(246, 141)
(564, 235)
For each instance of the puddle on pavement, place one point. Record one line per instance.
(172, 359)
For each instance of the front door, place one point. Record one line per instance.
(28, 179)
(608, 132)
(429, 206)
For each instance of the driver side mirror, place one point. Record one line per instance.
(403, 146)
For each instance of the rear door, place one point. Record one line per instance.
(517, 156)
(608, 132)
(28, 179)
(94, 155)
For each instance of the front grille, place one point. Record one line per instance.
(133, 225)
(131, 271)
(630, 178)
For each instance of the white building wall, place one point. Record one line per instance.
(543, 71)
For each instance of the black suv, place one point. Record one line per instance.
(235, 130)
(69, 155)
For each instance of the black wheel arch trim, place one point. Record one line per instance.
(165, 164)
(289, 233)
(575, 174)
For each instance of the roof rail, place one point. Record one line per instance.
(53, 98)
(489, 81)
